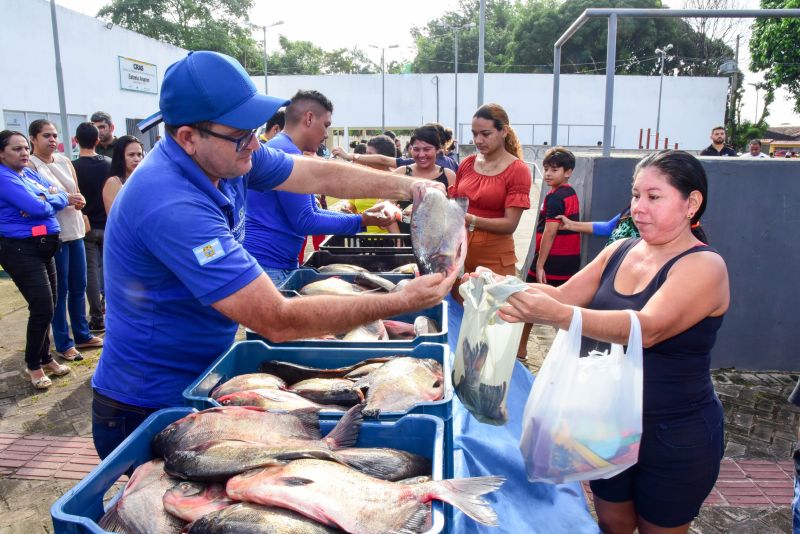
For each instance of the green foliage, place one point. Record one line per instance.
(520, 38)
(304, 57)
(746, 131)
(773, 49)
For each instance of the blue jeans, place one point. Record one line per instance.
(113, 421)
(278, 276)
(71, 275)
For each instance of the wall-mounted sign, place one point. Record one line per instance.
(135, 75)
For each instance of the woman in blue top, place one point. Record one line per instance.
(29, 229)
(679, 288)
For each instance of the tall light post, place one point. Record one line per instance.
(383, 81)
(455, 71)
(755, 117)
(264, 29)
(663, 56)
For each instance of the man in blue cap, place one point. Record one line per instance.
(178, 281)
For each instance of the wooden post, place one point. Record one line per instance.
(655, 145)
(676, 146)
(641, 133)
(648, 139)
(666, 143)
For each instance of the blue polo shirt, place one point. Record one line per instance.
(29, 193)
(278, 222)
(172, 248)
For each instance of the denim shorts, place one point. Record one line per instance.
(678, 465)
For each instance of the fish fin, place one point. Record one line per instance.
(309, 418)
(464, 494)
(113, 522)
(419, 521)
(293, 481)
(373, 467)
(345, 433)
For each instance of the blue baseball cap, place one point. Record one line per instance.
(209, 86)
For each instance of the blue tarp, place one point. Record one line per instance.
(481, 449)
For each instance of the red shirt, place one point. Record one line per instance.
(489, 196)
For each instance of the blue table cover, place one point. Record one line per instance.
(481, 449)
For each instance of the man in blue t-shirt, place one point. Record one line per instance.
(278, 222)
(177, 278)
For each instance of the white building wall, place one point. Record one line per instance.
(690, 106)
(90, 52)
(90, 63)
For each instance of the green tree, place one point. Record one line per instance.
(773, 49)
(219, 25)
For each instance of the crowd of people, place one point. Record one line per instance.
(231, 218)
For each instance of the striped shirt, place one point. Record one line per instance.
(565, 255)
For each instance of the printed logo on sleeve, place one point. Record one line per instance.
(208, 252)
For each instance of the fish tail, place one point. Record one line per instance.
(345, 433)
(113, 522)
(465, 494)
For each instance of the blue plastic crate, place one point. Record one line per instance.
(77, 511)
(374, 263)
(246, 357)
(368, 244)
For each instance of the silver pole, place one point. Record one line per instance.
(481, 43)
(383, 90)
(660, 87)
(611, 62)
(266, 92)
(62, 100)
(556, 80)
(455, 117)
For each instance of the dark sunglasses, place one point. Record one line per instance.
(240, 142)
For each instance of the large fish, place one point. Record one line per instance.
(373, 281)
(339, 496)
(386, 464)
(276, 399)
(331, 286)
(402, 383)
(293, 373)
(438, 235)
(140, 508)
(219, 459)
(329, 391)
(192, 500)
(244, 423)
(408, 268)
(374, 331)
(484, 401)
(399, 329)
(341, 268)
(425, 325)
(247, 382)
(248, 518)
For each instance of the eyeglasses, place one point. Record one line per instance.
(240, 142)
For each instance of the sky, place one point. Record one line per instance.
(348, 23)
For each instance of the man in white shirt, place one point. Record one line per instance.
(755, 150)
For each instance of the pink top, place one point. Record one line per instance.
(489, 196)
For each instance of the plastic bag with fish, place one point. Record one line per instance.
(402, 383)
(337, 495)
(487, 346)
(438, 234)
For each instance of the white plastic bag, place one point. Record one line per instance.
(583, 419)
(487, 347)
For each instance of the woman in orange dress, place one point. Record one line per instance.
(497, 183)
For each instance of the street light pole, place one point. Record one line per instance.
(455, 43)
(383, 82)
(264, 29)
(662, 54)
(755, 117)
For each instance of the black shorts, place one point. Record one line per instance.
(678, 465)
(531, 279)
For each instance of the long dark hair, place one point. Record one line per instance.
(686, 174)
(117, 167)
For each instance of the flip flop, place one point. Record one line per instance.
(39, 383)
(71, 356)
(93, 342)
(58, 370)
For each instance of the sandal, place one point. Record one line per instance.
(39, 383)
(71, 355)
(93, 342)
(56, 368)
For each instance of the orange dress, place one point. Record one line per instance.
(489, 196)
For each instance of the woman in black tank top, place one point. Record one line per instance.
(679, 287)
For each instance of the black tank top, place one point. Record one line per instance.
(442, 178)
(677, 376)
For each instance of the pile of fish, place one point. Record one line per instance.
(438, 232)
(408, 268)
(396, 383)
(247, 470)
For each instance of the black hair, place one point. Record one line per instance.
(6, 135)
(559, 156)
(279, 118)
(686, 174)
(427, 134)
(391, 134)
(293, 113)
(87, 135)
(754, 142)
(117, 167)
(383, 145)
(38, 125)
(101, 116)
(361, 148)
